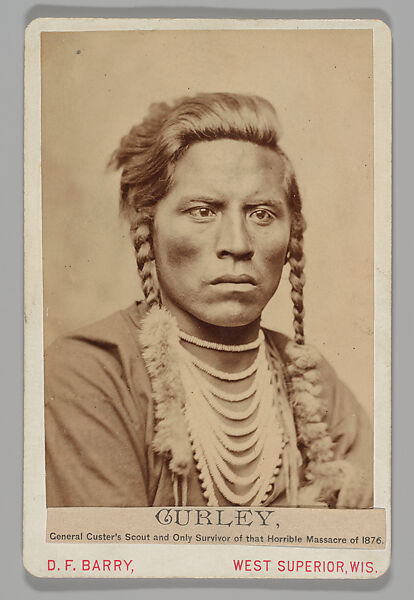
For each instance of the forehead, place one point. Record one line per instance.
(229, 167)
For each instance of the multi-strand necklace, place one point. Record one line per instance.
(237, 438)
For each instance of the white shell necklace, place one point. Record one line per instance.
(237, 438)
(192, 339)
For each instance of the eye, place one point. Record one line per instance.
(202, 213)
(262, 216)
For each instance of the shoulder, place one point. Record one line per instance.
(112, 327)
(309, 374)
(300, 359)
(331, 424)
(307, 369)
(95, 356)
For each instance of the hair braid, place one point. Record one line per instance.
(141, 238)
(297, 276)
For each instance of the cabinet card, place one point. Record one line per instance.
(192, 408)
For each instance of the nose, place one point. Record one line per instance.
(233, 238)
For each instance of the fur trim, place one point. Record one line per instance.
(159, 338)
(336, 483)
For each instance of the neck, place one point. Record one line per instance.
(228, 361)
(219, 334)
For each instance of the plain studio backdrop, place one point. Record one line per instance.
(96, 85)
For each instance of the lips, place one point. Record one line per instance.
(230, 278)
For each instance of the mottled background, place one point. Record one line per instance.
(97, 84)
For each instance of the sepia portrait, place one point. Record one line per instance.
(192, 182)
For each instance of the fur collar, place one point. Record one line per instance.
(159, 338)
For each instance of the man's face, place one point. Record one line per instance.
(221, 234)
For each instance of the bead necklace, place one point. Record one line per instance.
(191, 339)
(223, 375)
(232, 428)
(216, 429)
(215, 399)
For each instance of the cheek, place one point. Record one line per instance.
(274, 253)
(174, 251)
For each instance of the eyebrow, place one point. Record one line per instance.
(257, 199)
(275, 202)
(201, 198)
(206, 199)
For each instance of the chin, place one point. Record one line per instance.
(231, 316)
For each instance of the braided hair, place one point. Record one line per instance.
(147, 156)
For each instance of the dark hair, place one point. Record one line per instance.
(148, 153)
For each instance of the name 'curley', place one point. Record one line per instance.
(225, 517)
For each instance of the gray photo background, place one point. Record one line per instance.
(15, 15)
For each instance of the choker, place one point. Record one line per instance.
(191, 339)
